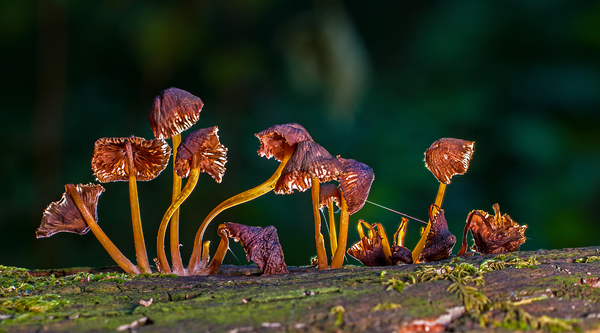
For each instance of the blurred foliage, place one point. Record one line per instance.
(377, 82)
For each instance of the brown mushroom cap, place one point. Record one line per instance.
(63, 215)
(205, 143)
(309, 160)
(440, 241)
(447, 157)
(274, 139)
(356, 183)
(328, 193)
(109, 161)
(495, 234)
(369, 249)
(173, 111)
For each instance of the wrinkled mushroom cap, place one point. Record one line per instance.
(495, 234)
(328, 193)
(204, 143)
(447, 157)
(309, 160)
(356, 183)
(369, 249)
(109, 162)
(275, 139)
(440, 241)
(173, 111)
(63, 215)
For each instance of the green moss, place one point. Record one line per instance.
(39, 304)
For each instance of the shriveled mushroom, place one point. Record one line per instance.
(401, 254)
(174, 111)
(372, 249)
(277, 141)
(445, 158)
(493, 234)
(76, 212)
(131, 159)
(440, 241)
(200, 151)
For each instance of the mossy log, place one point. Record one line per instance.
(552, 290)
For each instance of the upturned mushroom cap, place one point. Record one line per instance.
(109, 161)
(309, 160)
(204, 143)
(63, 215)
(173, 111)
(495, 234)
(447, 157)
(440, 241)
(356, 183)
(328, 193)
(275, 139)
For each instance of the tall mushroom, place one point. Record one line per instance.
(445, 158)
(200, 151)
(131, 159)
(174, 111)
(277, 141)
(76, 212)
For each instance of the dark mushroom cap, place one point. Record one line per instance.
(369, 249)
(401, 255)
(173, 111)
(63, 215)
(356, 183)
(261, 246)
(275, 139)
(204, 143)
(448, 157)
(328, 193)
(495, 234)
(309, 160)
(440, 241)
(109, 162)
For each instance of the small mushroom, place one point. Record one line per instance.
(261, 246)
(277, 141)
(372, 249)
(445, 158)
(493, 234)
(440, 241)
(200, 151)
(174, 111)
(76, 212)
(131, 159)
(401, 254)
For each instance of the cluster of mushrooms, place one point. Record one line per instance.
(304, 164)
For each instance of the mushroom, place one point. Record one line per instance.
(328, 194)
(310, 165)
(277, 141)
(493, 234)
(401, 254)
(131, 159)
(76, 212)
(200, 151)
(372, 249)
(439, 240)
(174, 111)
(445, 158)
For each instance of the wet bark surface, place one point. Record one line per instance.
(546, 290)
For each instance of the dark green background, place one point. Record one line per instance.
(377, 81)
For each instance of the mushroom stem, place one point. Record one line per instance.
(174, 229)
(387, 252)
(463, 248)
(195, 263)
(108, 245)
(205, 253)
(338, 257)
(213, 268)
(438, 204)
(332, 231)
(399, 235)
(321, 254)
(185, 193)
(138, 233)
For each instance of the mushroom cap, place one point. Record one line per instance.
(447, 157)
(274, 139)
(495, 234)
(356, 183)
(204, 143)
(173, 111)
(369, 249)
(109, 162)
(63, 215)
(440, 241)
(327, 193)
(309, 160)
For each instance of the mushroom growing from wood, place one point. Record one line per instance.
(131, 159)
(493, 234)
(401, 254)
(328, 194)
(372, 249)
(76, 212)
(174, 111)
(200, 151)
(439, 240)
(277, 141)
(445, 158)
